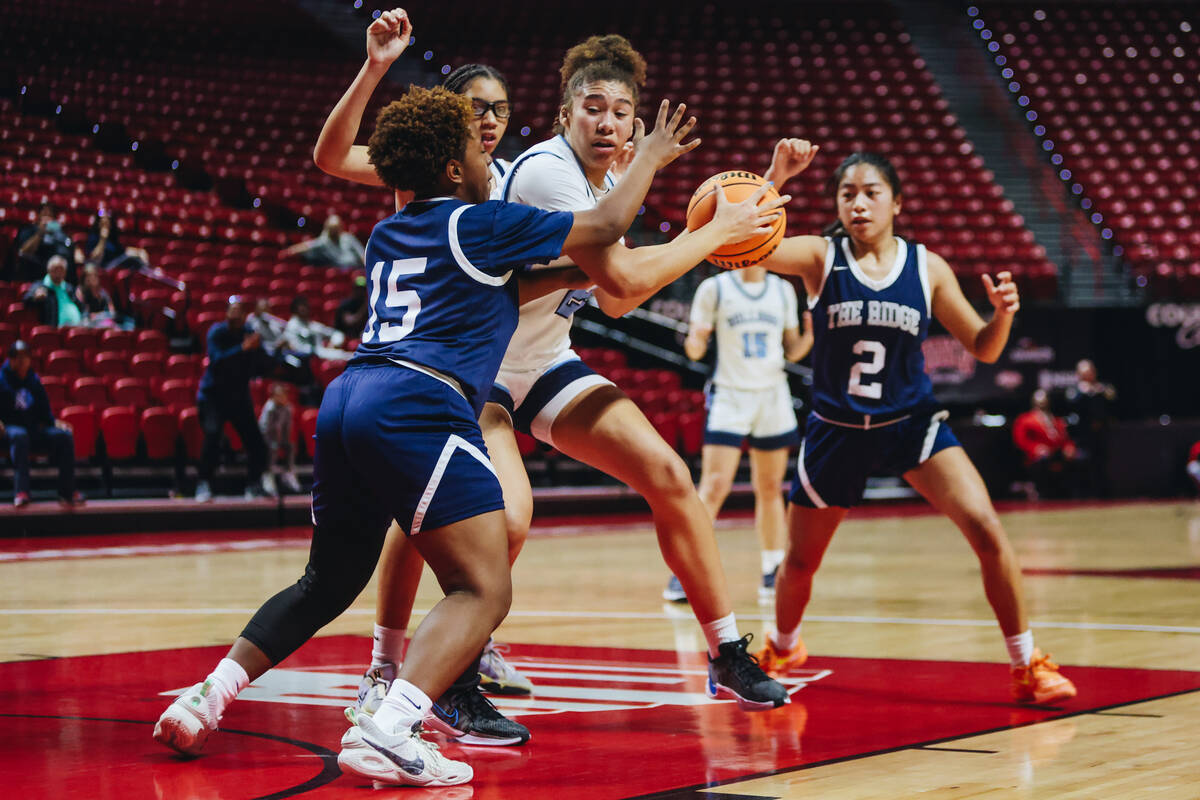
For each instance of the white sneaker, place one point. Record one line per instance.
(187, 723)
(203, 492)
(291, 482)
(402, 758)
(371, 690)
(268, 485)
(497, 676)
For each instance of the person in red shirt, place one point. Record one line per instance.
(1048, 450)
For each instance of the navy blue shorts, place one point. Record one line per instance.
(394, 443)
(835, 460)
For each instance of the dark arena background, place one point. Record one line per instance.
(1059, 141)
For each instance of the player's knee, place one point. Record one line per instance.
(668, 475)
(767, 488)
(715, 488)
(517, 518)
(801, 563)
(983, 528)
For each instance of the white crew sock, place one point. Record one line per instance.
(785, 641)
(1020, 648)
(227, 680)
(388, 646)
(719, 631)
(771, 559)
(404, 706)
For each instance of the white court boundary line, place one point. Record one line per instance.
(643, 615)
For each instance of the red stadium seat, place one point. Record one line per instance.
(308, 429)
(110, 363)
(118, 427)
(147, 365)
(83, 427)
(667, 425)
(56, 390)
(178, 392)
(691, 432)
(117, 340)
(84, 341)
(526, 444)
(183, 365)
(45, 338)
(90, 391)
(191, 432)
(159, 430)
(133, 392)
(9, 333)
(62, 362)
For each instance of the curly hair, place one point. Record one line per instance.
(416, 135)
(601, 58)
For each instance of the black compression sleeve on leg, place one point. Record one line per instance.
(340, 563)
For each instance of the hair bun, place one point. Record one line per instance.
(611, 49)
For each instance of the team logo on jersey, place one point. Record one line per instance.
(879, 313)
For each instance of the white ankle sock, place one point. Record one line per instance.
(719, 631)
(228, 679)
(388, 646)
(771, 559)
(404, 706)
(1020, 648)
(785, 641)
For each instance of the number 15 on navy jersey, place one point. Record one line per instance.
(440, 288)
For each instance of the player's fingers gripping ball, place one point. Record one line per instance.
(738, 185)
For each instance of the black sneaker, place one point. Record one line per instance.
(468, 717)
(735, 675)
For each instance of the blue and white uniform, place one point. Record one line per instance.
(749, 395)
(541, 374)
(402, 419)
(874, 412)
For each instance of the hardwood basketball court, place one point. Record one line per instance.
(905, 693)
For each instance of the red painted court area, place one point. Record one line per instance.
(606, 723)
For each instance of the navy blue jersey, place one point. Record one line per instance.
(439, 275)
(867, 335)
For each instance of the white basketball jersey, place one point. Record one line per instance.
(749, 320)
(548, 176)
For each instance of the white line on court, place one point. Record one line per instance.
(644, 615)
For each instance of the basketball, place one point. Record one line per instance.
(738, 185)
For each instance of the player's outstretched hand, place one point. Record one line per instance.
(751, 217)
(791, 157)
(1002, 293)
(665, 143)
(388, 36)
(625, 157)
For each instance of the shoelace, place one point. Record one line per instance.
(434, 752)
(1043, 661)
(745, 664)
(478, 705)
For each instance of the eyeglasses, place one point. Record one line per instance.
(501, 108)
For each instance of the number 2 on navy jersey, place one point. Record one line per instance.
(874, 389)
(394, 297)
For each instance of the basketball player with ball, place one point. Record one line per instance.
(544, 389)
(754, 316)
(873, 296)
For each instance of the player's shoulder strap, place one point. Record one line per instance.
(522, 160)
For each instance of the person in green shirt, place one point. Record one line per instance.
(56, 296)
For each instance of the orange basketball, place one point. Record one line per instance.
(738, 185)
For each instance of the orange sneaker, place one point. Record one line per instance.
(1039, 682)
(775, 661)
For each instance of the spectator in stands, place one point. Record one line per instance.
(53, 298)
(1193, 465)
(104, 247)
(39, 242)
(27, 420)
(235, 355)
(1050, 455)
(268, 326)
(275, 422)
(334, 247)
(1090, 416)
(352, 311)
(306, 337)
(96, 304)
